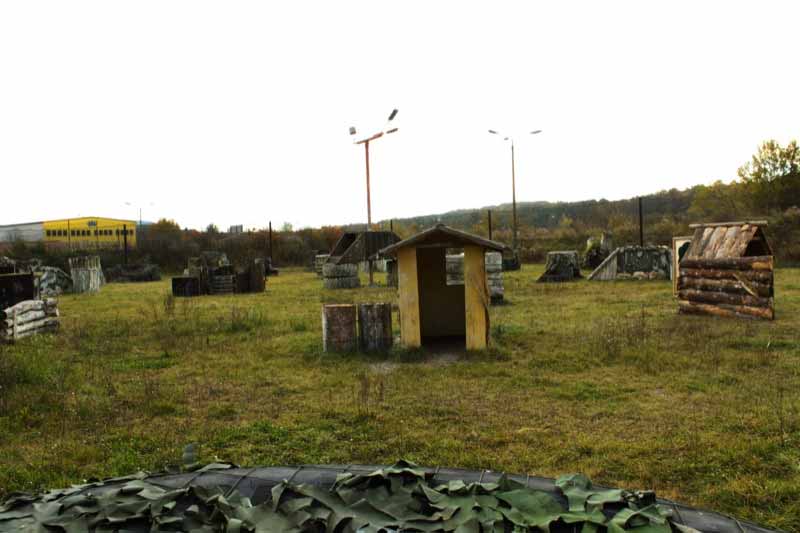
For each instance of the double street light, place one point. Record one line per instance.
(513, 186)
(387, 129)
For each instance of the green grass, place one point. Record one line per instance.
(601, 378)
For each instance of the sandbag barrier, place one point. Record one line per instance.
(29, 317)
(356, 497)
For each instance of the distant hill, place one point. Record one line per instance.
(674, 204)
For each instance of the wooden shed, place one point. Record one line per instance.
(431, 310)
(728, 271)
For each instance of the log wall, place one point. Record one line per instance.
(730, 287)
(27, 318)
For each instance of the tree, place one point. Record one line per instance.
(718, 202)
(287, 227)
(772, 177)
(212, 229)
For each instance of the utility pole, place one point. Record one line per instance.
(513, 199)
(641, 224)
(513, 189)
(270, 242)
(489, 212)
(125, 243)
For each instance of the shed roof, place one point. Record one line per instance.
(722, 240)
(354, 247)
(444, 236)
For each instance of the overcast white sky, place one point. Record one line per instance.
(237, 112)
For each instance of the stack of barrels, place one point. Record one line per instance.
(340, 276)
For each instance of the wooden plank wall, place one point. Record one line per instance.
(476, 298)
(408, 287)
(732, 287)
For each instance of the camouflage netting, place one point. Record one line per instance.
(392, 499)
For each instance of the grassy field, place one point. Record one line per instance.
(601, 378)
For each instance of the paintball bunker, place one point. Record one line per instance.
(635, 262)
(561, 266)
(133, 273)
(728, 271)
(213, 273)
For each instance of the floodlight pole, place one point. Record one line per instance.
(366, 142)
(513, 190)
(513, 200)
(369, 201)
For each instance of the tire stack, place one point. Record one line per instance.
(320, 260)
(340, 276)
(223, 284)
(494, 276)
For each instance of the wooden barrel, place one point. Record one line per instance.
(338, 327)
(375, 326)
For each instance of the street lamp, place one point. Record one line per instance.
(513, 186)
(129, 204)
(365, 141)
(387, 129)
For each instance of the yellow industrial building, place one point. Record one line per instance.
(80, 233)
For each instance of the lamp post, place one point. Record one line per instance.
(129, 204)
(365, 141)
(513, 187)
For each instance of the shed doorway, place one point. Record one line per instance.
(442, 309)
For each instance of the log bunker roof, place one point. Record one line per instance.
(725, 240)
(444, 237)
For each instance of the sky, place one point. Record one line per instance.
(238, 112)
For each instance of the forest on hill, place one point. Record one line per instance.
(767, 187)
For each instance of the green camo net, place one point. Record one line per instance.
(398, 498)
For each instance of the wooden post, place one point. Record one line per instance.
(641, 224)
(476, 298)
(375, 326)
(270, 243)
(338, 327)
(489, 212)
(125, 242)
(408, 287)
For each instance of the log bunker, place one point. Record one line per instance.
(728, 271)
